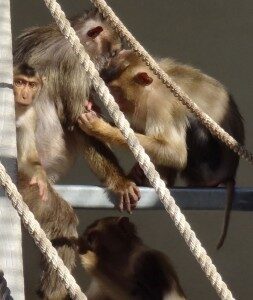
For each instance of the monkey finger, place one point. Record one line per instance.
(120, 205)
(127, 204)
(83, 118)
(91, 116)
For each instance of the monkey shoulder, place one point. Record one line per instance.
(153, 275)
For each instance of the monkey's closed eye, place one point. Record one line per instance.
(94, 32)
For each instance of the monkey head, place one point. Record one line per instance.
(100, 41)
(108, 237)
(129, 80)
(26, 85)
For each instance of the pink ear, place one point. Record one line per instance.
(94, 32)
(142, 78)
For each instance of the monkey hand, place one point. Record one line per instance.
(41, 182)
(129, 195)
(91, 124)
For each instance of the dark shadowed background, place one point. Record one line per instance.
(217, 37)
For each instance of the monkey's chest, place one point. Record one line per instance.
(54, 149)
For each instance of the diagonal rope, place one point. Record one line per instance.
(39, 236)
(168, 201)
(179, 94)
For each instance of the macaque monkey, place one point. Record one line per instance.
(173, 138)
(62, 100)
(54, 214)
(122, 267)
(26, 86)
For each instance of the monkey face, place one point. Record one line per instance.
(108, 235)
(25, 89)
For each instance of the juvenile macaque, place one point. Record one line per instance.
(62, 100)
(122, 267)
(174, 139)
(55, 215)
(26, 86)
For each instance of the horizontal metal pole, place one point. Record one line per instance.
(94, 197)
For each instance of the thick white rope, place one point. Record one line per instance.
(179, 94)
(174, 211)
(39, 236)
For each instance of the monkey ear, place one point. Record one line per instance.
(142, 78)
(94, 32)
(127, 227)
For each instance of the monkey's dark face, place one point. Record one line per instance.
(25, 89)
(110, 235)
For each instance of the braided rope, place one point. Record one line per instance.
(179, 94)
(39, 236)
(173, 210)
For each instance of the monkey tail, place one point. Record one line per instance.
(230, 185)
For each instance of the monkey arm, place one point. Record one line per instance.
(28, 159)
(170, 151)
(105, 165)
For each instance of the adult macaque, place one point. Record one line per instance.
(174, 139)
(122, 267)
(55, 215)
(61, 101)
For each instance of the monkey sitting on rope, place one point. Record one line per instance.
(173, 138)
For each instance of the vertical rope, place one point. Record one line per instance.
(173, 210)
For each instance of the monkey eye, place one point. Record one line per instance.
(19, 82)
(94, 32)
(32, 85)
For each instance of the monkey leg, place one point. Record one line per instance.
(58, 220)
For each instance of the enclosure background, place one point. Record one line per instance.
(217, 37)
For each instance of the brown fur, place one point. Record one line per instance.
(58, 220)
(174, 139)
(63, 97)
(53, 213)
(122, 267)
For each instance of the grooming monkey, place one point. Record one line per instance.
(54, 214)
(62, 100)
(174, 139)
(122, 267)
